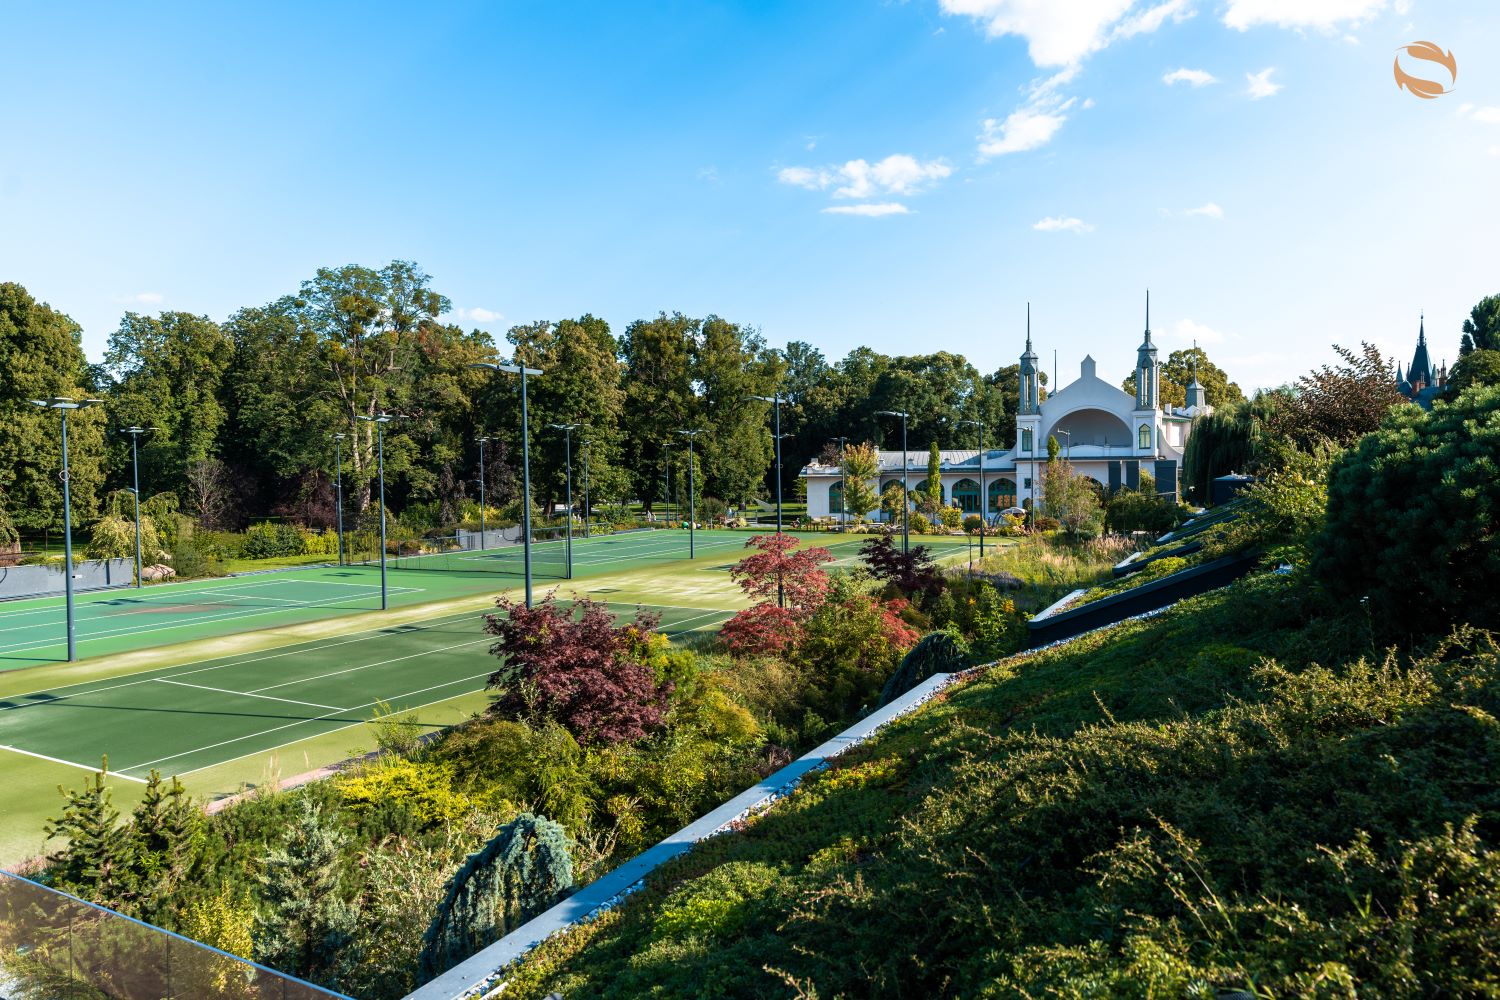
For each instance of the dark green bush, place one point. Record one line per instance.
(1413, 512)
(272, 540)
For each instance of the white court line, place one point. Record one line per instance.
(69, 763)
(135, 609)
(367, 666)
(671, 627)
(303, 722)
(211, 618)
(326, 732)
(305, 647)
(247, 694)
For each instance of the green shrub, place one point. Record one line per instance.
(321, 543)
(712, 907)
(190, 562)
(919, 525)
(114, 538)
(272, 540)
(1413, 513)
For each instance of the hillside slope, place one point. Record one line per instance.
(1240, 793)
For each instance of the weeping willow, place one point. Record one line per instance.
(1232, 439)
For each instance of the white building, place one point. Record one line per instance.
(1106, 433)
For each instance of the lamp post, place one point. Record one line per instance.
(523, 371)
(135, 471)
(484, 540)
(587, 448)
(568, 430)
(843, 484)
(62, 404)
(338, 494)
(905, 487)
(775, 402)
(984, 496)
(692, 488)
(380, 420)
(667, 464)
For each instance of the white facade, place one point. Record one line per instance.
(1106, 433)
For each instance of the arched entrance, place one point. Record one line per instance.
(966, 495)
(1002, 494)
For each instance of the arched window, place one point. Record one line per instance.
(966, 495)
(836, 497)
(1026, 441)
(1143, 439)
(1002, 495)
(886, 484)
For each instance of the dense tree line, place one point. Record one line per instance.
(242, 412)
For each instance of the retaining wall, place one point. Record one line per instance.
(1147, 597)
(47, 579)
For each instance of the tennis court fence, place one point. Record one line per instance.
(58, 947)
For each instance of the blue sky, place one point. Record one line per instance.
(899, 175)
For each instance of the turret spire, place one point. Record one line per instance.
(1421, 328)
(1148, 314)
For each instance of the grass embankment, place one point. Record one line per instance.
(1163, 809)
(1047, 567)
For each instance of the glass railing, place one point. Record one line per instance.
(57, 947)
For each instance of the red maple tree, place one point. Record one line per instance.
(575, 665)
(777, 565)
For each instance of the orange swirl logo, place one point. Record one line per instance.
(1417, 86)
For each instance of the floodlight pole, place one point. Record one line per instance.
(667, 462)
(338, 473)
(984, 496)
(775, 402)
(843, 484)
(905, 484)
(568, 430)
(523, 371)
(380, 420)
(62, 404)
(484, 542)
(692, 488)
(135, 471)
(587, 448)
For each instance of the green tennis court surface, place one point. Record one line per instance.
(185, 718)
(32, 632)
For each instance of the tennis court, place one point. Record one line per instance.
(186, 718)
(33, 632)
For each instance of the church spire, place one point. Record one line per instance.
(1030, 383)
(1146, 394)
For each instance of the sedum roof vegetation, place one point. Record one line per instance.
(1240, 793)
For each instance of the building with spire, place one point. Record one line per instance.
(1422, 382)
(1106, 434)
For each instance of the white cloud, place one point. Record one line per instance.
(709, 174)
(1152, 18)
(1058, 224)
(1495, 150)
(1187, 331)
(1196, 77)
(1259, 85)
(1208, 211)
(148, 298)
(1056, 34)
(478, 314)
(1323, 14)
(1023, 129)
(813, 180)
(896, 174)
(868, 209)
(1488, 115)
